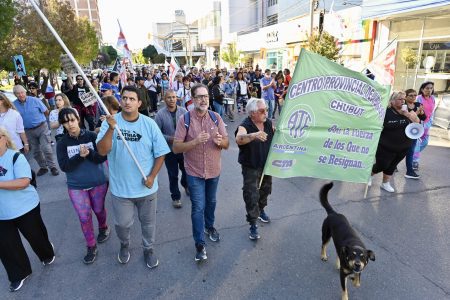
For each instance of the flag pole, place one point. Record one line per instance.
(80, 71)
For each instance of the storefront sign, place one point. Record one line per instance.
(436, 46)
(330, 123)
(272, 36)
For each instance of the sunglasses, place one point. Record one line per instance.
(263, 110)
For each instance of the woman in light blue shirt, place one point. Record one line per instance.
(19, 212)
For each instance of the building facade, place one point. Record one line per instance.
(422, 30)
(210, 35)
(88, 9)
(179, 38)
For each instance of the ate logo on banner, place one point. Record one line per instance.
(300, 119)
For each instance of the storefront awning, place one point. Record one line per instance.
(375, 9)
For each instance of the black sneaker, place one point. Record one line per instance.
(41, 171)
(263, 217)
(124, 254)
(54, 171)
(213, 234)
(254, 235)
(150, 259)
(50, 260)
(201, 254)
(103, 235)
(412, 175)
(16, 285)
(90, 255)
(177, 203)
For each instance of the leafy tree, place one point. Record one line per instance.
(150, 52)
(230, 54)
(159, 59)
(7, 13)
(110, 51)
(31, 38)
(410, 58)
(138, 58)
(323, 44)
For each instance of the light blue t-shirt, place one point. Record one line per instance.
(147, 143)
(14, 204)
(32, 111)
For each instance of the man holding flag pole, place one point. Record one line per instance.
(148, 179)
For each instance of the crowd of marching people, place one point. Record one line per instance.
(187, 133)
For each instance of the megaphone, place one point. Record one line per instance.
(414, 131)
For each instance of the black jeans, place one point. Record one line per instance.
(255, 199)
(174, 164)
(153, 106)
(387, 160)
(12, 253)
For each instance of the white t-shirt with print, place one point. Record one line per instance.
(13, 122)
(53, 117)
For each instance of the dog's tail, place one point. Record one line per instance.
(324, 198)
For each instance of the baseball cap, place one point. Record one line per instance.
(106, 86)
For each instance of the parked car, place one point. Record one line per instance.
(442, 112)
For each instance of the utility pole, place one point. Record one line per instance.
(188, 43)
(311, 16)
(190, 48)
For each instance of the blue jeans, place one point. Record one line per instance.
(271, 106)
(409, 157)
(203, 198)
(174, 164)
(218, 108)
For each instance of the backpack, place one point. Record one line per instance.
(187, 119)
(33, 174)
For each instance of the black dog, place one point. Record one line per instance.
(353, 256)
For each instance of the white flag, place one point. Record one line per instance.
(173, 70)
(383, 65)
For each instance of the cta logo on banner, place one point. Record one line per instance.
(330, 123)
(19, 65)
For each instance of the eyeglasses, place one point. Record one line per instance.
(202, 97)
(262, 110)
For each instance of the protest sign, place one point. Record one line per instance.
(330, 123)
(67, 65)
(88, 99)
(19, 65)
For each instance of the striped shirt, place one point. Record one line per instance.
(203, 160)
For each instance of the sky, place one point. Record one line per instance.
(137, 16)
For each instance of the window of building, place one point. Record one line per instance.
(272, 3)
(272, 19)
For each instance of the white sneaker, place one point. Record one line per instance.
(387, 187)
(369, 183)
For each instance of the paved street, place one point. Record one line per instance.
(408, 231)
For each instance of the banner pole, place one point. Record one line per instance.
(260, 181)
(365, 191)
(80, 71)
